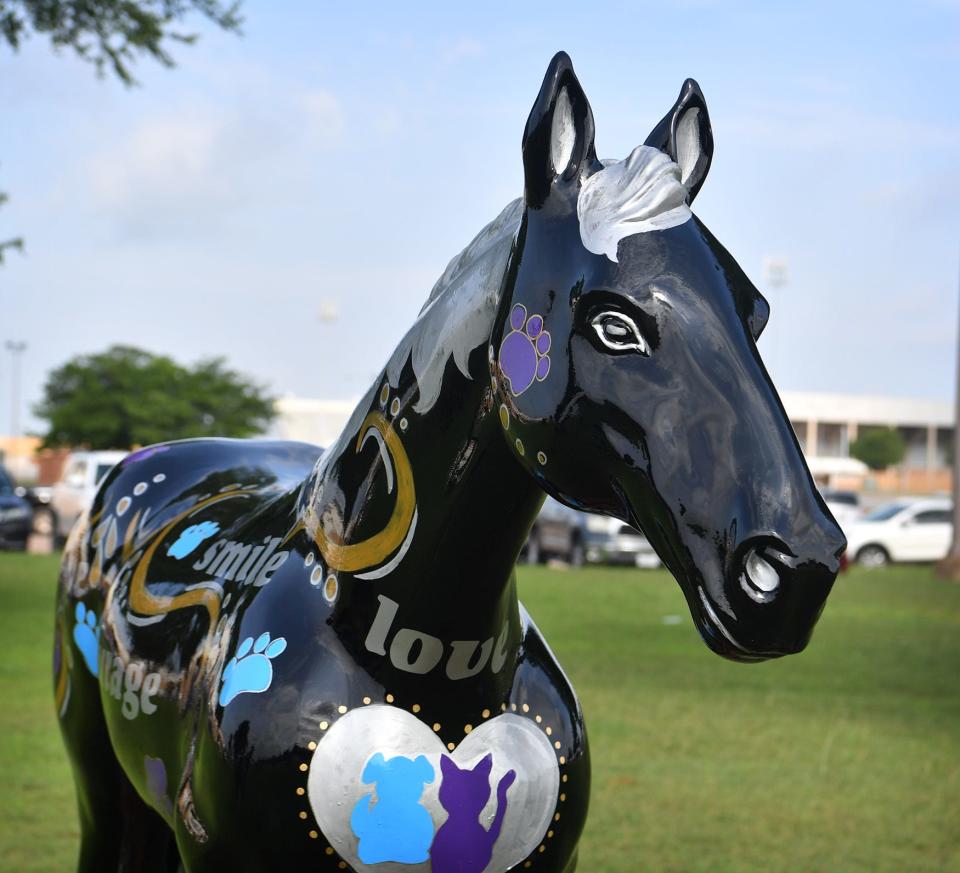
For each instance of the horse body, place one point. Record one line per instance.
(232, 772)
(261, 649)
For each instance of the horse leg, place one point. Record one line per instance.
(96, 774)
(97, 778)
(147, 844)
(118, 831)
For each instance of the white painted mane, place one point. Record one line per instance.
(636, 195)
(458, 315)
(644, 192)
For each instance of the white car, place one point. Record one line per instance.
(906, 530)
(82, 474)
(845, 506)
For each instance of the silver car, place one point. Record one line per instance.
(82, 475)
(579, 538)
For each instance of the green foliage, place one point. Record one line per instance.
(111, 33)
(16, 243)
(6, 245)
(108, 33)
(879, 448)
(126, 397)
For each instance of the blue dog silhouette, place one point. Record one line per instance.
(395, 827)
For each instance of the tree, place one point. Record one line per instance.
(125, 397)
(110, 34)
(879, 448)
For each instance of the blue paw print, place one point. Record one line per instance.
(86, 634)
(192, 537)
(250, 671)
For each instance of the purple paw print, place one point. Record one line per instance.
(524, 352)
(143, 454)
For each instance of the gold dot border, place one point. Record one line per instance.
(303, 767)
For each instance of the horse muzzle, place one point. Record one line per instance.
(771, 598)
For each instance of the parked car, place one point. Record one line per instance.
(845, 506)
(579, 538)
(38, 496)
(16, 515)
(905, 530)
(82, 474)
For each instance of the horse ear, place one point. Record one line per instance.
(684, 133)
(558, 139)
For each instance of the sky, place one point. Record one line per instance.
(338, 155)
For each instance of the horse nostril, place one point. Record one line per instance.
(759, 578)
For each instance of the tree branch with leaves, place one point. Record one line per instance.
(110, 34)
(15, 243)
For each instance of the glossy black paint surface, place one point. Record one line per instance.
(386, 564)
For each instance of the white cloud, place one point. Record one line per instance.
(173, 171)
(822, 126)
(931, 196)
(461, 49)
(322, 115)
(162, 158)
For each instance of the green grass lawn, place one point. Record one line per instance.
(845, 758)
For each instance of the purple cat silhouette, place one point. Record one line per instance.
(462, 845)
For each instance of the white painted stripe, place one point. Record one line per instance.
(391, 565)
(143, 621)
(210, 586)
(384, 454)
(716, 621)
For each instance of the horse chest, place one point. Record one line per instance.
(419, 653)
(404, 773)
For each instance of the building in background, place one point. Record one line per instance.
(825, 424)
(18, 456)
(29, 464)
(310, 420)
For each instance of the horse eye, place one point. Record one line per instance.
(619, 332)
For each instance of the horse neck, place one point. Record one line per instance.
(474, 506)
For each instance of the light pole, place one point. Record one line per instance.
(16, 349)
(775, 276)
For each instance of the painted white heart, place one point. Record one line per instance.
(335, 785)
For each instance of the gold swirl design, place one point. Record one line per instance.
(129, 538)
(144, 602)
(351, 557)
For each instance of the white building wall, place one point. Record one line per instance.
(825, 423)
(311, 421)
(866, 409)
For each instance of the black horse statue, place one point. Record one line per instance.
(273, 657)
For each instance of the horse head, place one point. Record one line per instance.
(625, 367)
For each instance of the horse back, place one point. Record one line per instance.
(178, 536)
